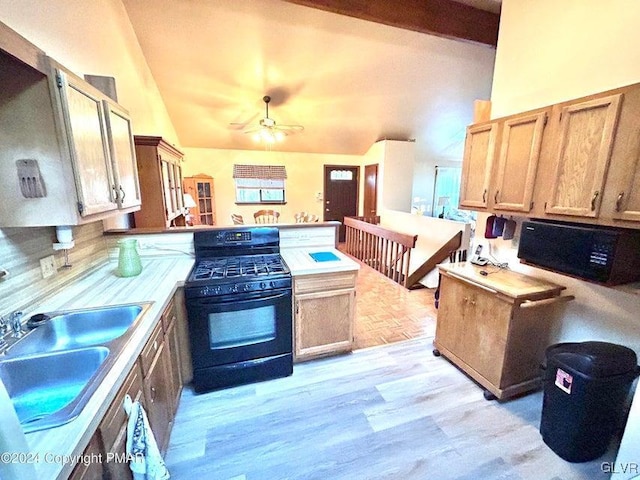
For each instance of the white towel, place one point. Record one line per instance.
(145, 460)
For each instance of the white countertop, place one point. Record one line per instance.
(301, 263)
(157, 283)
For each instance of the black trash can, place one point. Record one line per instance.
(585, 388)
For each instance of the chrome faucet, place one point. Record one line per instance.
(16, 324)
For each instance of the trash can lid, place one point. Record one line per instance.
(596, 359)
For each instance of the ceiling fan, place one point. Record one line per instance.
(267, 130)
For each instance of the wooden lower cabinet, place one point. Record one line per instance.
(496, 335)
(91, 470)
(113, 427)
(324, 311)
(155, 381)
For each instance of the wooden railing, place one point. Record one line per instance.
(384, 250)
(449, 249)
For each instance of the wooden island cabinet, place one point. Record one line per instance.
(324, 311)
(495, 327)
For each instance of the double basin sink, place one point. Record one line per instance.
(51, 372)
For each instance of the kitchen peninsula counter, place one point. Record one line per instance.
(300, 262)
(157, 283)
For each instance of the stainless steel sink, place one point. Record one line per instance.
(51, 389)
(79, 328)
(54, 369)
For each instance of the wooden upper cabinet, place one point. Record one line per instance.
(123, 156)
(479, 152)
(160, 174)
(88, 144)
(520, 145)
(586, 135)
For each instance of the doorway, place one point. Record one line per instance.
(370, 207)
(340, 194)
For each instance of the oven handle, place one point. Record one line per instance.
(205, 301)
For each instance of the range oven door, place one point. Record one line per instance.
(240, 327)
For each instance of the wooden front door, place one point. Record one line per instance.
(340, 194)
(370, 190)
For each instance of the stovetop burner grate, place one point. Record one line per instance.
(235, 267)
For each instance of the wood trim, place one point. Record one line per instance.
(152, 141)
(397, 237)
(443, 18)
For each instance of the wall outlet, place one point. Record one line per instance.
(48, 266)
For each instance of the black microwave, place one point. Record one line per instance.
(602, 254)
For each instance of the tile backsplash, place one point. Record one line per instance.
(21, 250)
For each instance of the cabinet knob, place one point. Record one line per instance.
(594, 199)
(619, 201)
(153, 394)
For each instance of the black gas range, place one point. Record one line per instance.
(238, 298)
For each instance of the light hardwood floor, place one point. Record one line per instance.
(387, 412)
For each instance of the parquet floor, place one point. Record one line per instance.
(387, 312)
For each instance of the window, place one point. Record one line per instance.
(446, 195)
(257, 184)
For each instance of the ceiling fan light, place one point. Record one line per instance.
(279, 136)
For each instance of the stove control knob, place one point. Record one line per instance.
(216, 290)
(263, 285)
(246, 287)
(234, 288)
(272, 284)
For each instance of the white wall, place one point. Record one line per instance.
(396, 162)
(95, 37)
(550, 51)
(305, 175)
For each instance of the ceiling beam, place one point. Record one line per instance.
(444, 18)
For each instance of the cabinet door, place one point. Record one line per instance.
(167, 191)
(473, 325)
(113, 427)
(583, 151)
(518, 162)
(88, 145)
(627, 204)
(92, 470)
(479, 152)
(205, 201)
(157, 393)
(324, 323)
(173, 344)
(123, 156)
(177, 185)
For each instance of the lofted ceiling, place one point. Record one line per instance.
(349, 82)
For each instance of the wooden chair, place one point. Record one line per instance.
(237, 219)
(300, 217)
(266, 216)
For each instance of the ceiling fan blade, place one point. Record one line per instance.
(297, 128)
